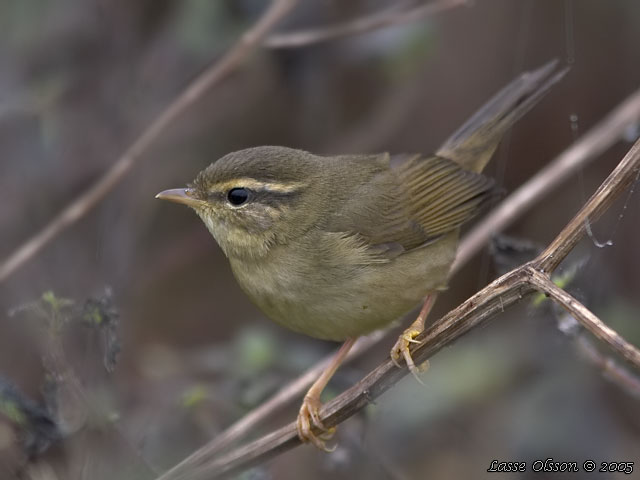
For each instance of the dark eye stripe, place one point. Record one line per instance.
(275, 199)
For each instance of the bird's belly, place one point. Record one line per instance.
(354, 301)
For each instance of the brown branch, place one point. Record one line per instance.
(598, 139)
(610, 368)
(88, 200)
(387, 18)
(585, 317)
(481, 307)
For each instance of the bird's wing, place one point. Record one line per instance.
(411, 202)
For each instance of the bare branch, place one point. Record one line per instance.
(620, 179)
(587, 319)
(610, 368)
(386, 18)
(88, 200)
(598, 139)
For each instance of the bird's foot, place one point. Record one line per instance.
(400, 351)
(308, 418)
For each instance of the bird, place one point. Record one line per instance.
(337, 246)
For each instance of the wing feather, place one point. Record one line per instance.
(411, 201)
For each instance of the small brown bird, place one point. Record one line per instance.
(338, 246)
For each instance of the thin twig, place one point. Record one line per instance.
(88, 200)
(598, 139)
(387, 18)
(585, 317)
(480, 308)
(610, 368)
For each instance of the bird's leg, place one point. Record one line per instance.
(309, 416)
(400, 349)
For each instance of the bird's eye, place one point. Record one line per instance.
(238, 196)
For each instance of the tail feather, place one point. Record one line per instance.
(473, 144)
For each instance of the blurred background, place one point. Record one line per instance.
(81, 79)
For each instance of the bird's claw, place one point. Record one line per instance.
(308, 418)
(400, 351)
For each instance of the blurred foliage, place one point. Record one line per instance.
(67, 399)
(98, 313)
(36, 426)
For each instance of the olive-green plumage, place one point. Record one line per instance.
(337, 246)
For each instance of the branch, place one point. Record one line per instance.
(610, 368)
(86, 201)
(585, 317)
(480, 308)
(386, 18)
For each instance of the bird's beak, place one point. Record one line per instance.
(179, 195)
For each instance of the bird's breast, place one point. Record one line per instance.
(335, 300)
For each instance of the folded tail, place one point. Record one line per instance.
(473, 145)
